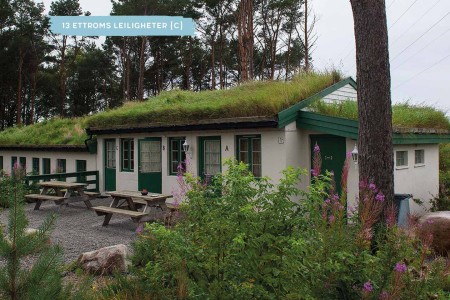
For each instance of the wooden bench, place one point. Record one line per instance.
(109, 211)
(92, 194)
(39, 198)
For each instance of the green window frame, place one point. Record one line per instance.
(46, 166)
(177, 155)
(249, 151)
(35, 165)
(1, 163)
(13, 163)
(401, 158)
(61, 165)
(127, 155)
(210, 156)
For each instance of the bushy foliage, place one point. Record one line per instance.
(442, 201)
(242, 237)
(43, 279)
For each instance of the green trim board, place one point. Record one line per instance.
(349, 128)
(289, 115)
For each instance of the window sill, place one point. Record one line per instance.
(419, 166)
(402, 167)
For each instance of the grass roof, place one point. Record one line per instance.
(404, 115)
(56, 131)
(258, 98)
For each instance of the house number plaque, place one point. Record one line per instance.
(329, 157)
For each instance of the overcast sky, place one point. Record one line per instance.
(419, 38)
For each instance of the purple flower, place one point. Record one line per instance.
(367, 287)
(384, 295)
(316, 148)
(379, 197)
(373, 187)
(331, 219)
(314, 173)
(400, 268)
(328, 201)
(335, 197)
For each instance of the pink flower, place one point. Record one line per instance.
(316, 148)
(400, 268)
(379, 197)
(367, 287)
(373, 187)
(331, 219)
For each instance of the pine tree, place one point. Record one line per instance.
(43, 279)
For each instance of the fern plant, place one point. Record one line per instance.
(43, 279)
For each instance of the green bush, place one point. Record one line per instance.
(241, 237)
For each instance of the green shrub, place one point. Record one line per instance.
(242, 237)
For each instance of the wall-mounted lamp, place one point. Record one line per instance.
(355, 155)
(187, 149)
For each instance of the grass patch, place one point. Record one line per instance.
(404, 115)
(258, 98)
(56, 131)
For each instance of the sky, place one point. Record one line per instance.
(419, 44)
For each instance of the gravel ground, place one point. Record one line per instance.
(78, 229)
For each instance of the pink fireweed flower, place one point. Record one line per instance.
(367, 287)
(379, 197)
(328, 201)
(384, 295)
(331, 219)
(373, 187)
(400, 268)
(316, 148)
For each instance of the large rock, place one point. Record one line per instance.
(105, 260)
(438, 224)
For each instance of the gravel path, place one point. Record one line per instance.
(78, 229)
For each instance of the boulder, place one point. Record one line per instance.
(438, 224)
(105, 260)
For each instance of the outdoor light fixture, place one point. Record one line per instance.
(355, 155)
(187, 149)
(185, 146)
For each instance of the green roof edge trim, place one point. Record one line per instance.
(289, 115)
(349, 129)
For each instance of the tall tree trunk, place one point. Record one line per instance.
(288, 54)
(306, 38)
(62, 77)
(221, 57)
(245, 38)
(140, 95)
(19, 88)
(213, 69)
(374, 95)
(33, 93)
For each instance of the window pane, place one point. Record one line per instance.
(419, 156)
(402, 158)
(150, 156)
(111, 154)
(212, 157)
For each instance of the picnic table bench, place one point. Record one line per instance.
(65, 193)
(128, 202)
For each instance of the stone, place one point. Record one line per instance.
(438, 224)
(105, 260)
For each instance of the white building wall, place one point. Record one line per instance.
(70, 157)
(421, 181)
(346, 92)
(272, 144)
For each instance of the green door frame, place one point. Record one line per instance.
(110, 173)
(152, 181)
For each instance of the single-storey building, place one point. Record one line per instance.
(147, 154)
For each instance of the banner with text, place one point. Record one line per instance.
(122, 25)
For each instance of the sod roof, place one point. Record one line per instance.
(257, 100)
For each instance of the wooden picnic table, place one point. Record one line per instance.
(128, 203)
(65, 193)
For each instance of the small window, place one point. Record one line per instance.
(177, 157)
(419, 157)
(61, 166)
(249, 152)
(401, 159)
(127, 147)
(23, 162)
(1, 163)
(46, 166)
(13, 163)
(80, 167)
(35, 166)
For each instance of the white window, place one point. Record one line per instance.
(401, 158)
(419, 157)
